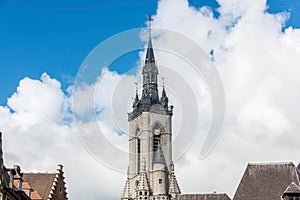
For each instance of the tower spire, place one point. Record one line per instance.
(150, 92)
(136, 100)
(150, 131)
(149, 95)
(136, 92)
(164, 99)
(163, 91)
(150, 54)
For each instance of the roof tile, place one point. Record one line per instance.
(266, 181)
(202, 197)
(40, 182)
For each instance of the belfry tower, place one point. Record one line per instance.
(151, 170)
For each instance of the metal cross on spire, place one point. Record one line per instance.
(150, 19)
(150, 54)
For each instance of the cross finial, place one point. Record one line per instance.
(149, 20)
(163, 79)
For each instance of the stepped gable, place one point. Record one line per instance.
(50, 186)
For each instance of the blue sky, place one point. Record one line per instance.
(54, 36)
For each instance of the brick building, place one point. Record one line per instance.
(16, 185)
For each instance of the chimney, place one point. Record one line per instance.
(18, 176)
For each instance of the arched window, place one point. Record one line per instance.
(138, 155)
(156, 136)
(137, 131)
(156, 141)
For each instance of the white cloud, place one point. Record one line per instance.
(37, 101)
(37, 137)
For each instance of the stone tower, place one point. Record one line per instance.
(151, 170)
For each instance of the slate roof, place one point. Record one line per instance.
(202, 197)
(41, 182)
(293, 188)
(266, 181)
(150, 54)
(159, 156)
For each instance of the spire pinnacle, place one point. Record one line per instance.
(136, 92)
(150, 54)
(164, 95)
(136, 100)
(164, 99)
(136, 87)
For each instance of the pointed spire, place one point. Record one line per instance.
(163, 92)
(173, 187)
(150, 54)
(126, 195)
(136, 91)
(143, 181)
(159, 156)
(164, 99)
(136, 100)
(126, 192)
(150, 73)
(149, 95)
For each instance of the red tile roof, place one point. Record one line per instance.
(35, 196)
(50, 186)
(25, 185)
(40, 182)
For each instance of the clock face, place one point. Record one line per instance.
(156, 131)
